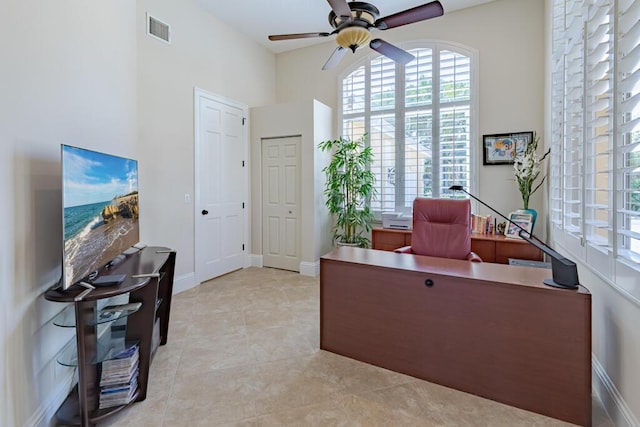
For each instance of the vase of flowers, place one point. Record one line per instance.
(527, 170)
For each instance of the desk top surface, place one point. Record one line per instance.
(482, 271)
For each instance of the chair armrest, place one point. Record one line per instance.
(473, 257)
(404, 250)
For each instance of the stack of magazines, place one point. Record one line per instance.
(119, 377)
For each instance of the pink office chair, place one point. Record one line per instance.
(441, 228)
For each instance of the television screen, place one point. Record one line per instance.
(100, 211)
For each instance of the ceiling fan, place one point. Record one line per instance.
(352, 22)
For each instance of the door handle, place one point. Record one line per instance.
(205, 212)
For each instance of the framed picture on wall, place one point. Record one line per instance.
(523, 219)
(502, 148)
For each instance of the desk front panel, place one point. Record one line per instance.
(523, 346)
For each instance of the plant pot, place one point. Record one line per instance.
(353, 245)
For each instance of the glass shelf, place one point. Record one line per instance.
(67, 317)
(107, 347)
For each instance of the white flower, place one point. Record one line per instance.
(526, 168)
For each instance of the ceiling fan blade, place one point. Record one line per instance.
(391, 51)
(297, 36)
(409, 16)
(340, 7)
(335, 58)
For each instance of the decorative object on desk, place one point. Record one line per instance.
(503, 148)
(518, 220)
(527, 169)
(501, 227)
(349, 188)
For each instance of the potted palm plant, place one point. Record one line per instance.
(349, 188)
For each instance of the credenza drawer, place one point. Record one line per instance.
(388, 240)
(485, 249)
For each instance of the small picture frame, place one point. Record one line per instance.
(502, 148)
(523, 219)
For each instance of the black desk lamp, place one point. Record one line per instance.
(564, 271)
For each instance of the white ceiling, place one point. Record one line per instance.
(260, 18)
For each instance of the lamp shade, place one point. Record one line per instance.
(353, 37)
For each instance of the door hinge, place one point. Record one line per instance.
(242, 205)
(243, 246)
(244, 119)
(243, 163)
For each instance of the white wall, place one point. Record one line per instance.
(206, 53)
(323, 118)
(508, 34)
(312, 121)
(68, 75)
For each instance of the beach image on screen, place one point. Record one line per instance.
(100, 218)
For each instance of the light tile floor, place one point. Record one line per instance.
(243, 350)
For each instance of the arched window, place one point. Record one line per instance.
(420, 121)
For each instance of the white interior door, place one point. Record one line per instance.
(281, 203)
(220, 187)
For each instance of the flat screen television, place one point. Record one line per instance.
(100, 211)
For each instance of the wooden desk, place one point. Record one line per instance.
(488, 329)
(491, 248)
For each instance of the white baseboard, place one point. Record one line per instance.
(247, 260)
(44, 415)
(612, 401)
(310, 268)
(256, 260)
(184, 283)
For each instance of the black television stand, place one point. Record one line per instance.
(144, 301)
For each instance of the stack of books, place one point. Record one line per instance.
(119, 377)
(481, 224)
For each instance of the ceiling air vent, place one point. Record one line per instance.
(158, 29)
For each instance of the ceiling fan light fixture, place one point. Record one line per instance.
(353, 37)
(352, 21)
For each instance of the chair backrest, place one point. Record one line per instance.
(441, 228)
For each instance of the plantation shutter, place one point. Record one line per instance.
(573, 121)
(382, 132)
(596, 47)
(418, 120)
(418, 132)
(557, 114)
(628, 132)
(455, 121)
(354, 104)
(599, 127)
